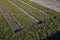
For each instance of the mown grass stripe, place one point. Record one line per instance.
(32, 11)
(33, 18)
(18, 15)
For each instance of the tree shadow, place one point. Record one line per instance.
(55, 36)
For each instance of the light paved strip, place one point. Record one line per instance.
(26, 13)
(52, 4)
(38, 9)
(10, 20)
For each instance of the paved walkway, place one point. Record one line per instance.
(50, 15)
(10, 20)
(52, 5)
(26, 13)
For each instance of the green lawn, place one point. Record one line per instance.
(5, 28)
(30, 29)
(17, 14)
(30, 10)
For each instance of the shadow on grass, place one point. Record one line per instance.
(55, 36)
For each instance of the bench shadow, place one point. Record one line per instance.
(55, 36)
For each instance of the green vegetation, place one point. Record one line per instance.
(30, 10)
(30, 29)
(5, 29)
(16, 14)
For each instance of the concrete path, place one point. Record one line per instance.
(10, 20)
(37, 9)
(26, 13)
(52, 4)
